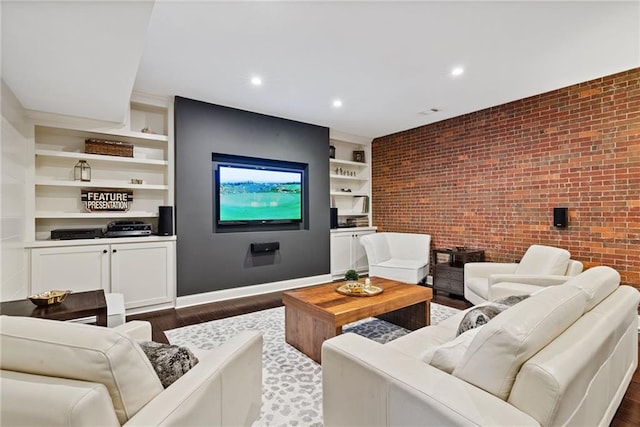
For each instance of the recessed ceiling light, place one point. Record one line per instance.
(337, 103)
(256, 81)
(457, 71)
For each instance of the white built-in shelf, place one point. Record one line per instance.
(45, 243)
(348, 194)
(100, 158)
(122, 135)
(347, 163)
(85, 215)
(342, 212)
(347, 178)
(99, 184)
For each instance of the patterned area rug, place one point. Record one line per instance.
(292, 383)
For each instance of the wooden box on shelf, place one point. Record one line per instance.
(108, 148)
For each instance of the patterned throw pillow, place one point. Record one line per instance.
(480, 315)
(169, 361)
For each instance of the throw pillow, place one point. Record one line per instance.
(446, 356)
(480, 315)
(169, 361)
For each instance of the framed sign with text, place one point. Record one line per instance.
(108, 199)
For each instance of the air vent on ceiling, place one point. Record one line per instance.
(429, 111)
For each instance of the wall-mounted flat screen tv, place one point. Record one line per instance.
(248, 194)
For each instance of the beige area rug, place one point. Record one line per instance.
(292, 382)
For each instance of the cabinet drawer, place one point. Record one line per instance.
(447, 272)
(449, 285)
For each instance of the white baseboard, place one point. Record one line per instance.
(248, 291)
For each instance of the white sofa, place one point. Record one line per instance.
(398, 256)
(70, 374)
(563, 356)
(539, 267)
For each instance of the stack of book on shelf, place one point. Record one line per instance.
(361, 205)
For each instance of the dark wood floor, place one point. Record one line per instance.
(628, 413)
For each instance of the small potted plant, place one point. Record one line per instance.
(351, 276)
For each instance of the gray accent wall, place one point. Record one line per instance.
(209, 260)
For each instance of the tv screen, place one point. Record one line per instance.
(257, 194)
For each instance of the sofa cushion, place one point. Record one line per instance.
(35, 400)
(479, 286)
(377, 243)
(504, 344)
(544, 260)
(81, 352)
(446, 356)
(169, 361)
(597, 283)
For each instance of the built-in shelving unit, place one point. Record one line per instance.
(59, 143)
(142, 268)
(350, 189)
(350, 192)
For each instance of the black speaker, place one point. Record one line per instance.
(165, 220)
(333, 218)
(560, 217)
(260, 248)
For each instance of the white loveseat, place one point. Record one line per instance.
(563, 356)
(539, 267)
(69, 374)
(398, 256)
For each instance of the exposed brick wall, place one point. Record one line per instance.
(490, 179)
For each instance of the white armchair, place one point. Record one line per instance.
(68, 374)
(398, 256)
(539, 267)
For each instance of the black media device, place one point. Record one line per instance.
(165, 220)
(333, 217)
(261, 248)
(127, 229)
(560, 217)
(76, 233)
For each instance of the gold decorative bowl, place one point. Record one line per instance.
(461, 248)
(49, 297)
(358, 289)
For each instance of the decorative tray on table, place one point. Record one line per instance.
(49, 297)
(358, 289)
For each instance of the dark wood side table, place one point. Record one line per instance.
(448, 274)
(75, 306)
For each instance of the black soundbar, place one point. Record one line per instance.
(260, 248)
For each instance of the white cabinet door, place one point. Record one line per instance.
(143, 272)
(340, 253)
(78, 268)
(360, 262)
(347, 252)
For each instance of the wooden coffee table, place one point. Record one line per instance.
(317, 313)
(75, 306)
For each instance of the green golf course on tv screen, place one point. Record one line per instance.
(248, 194)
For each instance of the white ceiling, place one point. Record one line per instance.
(387, 61)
